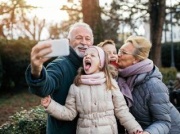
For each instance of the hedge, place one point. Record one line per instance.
(15, 57)
(166, 55)
(26, 122)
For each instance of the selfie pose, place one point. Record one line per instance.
(95, 95)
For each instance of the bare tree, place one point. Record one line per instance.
(54, 31)
(11, 13)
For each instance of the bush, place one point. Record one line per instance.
(166, 55)
(15, 57)
(14, 60)
(1, 71)
(26, 122)
(169, 74)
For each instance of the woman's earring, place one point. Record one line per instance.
(134, 62)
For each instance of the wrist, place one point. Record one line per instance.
(36, 73)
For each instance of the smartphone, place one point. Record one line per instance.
(60, 47)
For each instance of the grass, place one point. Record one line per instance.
(10, 103)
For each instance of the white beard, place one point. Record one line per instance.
(80, 54)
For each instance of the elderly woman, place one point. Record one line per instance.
(141, 83)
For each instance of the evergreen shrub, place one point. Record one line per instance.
(169, 74)
(26, 122)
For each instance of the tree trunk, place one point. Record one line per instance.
(2, 31)
(157, 18)
(92, 16)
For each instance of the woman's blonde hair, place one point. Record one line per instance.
(105, 69)
(142, 46)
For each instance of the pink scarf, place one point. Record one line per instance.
(93, 79)
(127, 77)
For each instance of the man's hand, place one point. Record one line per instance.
(37, 58)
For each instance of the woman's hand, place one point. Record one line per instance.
(138, 132)
(141, 132)
(46, 101)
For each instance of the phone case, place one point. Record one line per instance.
(60, 47)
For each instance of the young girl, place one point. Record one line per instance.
(110, 48)
(95, 96)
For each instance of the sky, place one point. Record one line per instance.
(50, 9)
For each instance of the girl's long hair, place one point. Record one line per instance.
(105, 69)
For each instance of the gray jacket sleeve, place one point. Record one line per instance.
(159, 106)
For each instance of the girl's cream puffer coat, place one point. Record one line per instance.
(97, 108)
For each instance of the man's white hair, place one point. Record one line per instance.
(80, 24)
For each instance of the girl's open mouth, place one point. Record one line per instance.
(87, 65)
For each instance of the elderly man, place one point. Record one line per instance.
(56, 78)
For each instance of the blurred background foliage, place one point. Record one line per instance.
(15, 57)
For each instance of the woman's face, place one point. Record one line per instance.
(91, 61)
(125, 55)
